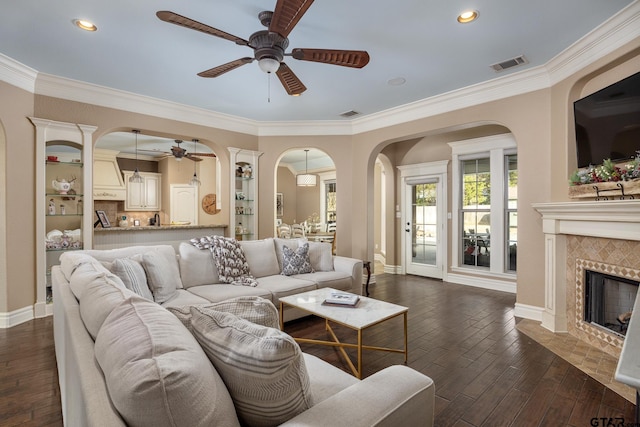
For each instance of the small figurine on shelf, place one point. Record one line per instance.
(123, 221)
(62, 210)
(52, 207)
(247, 171)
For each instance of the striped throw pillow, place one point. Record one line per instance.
(263, 368)
(133, 276)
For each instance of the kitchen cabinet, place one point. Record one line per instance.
(107, 179)
(145, 196)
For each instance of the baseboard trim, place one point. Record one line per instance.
(482, 282)
(527, 311)
(393, 269)
(16, 317)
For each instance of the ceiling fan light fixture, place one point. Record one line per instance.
(269, 65)
(83, 24)
(306, 179)
(468, 16)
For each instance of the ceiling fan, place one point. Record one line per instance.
(269, 45)
(181, 153)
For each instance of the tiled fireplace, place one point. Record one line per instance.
(602, 237)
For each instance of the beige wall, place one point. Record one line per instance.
(19, 214)
(540, 121)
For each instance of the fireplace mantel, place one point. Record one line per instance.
(613, 219)
(610, 219)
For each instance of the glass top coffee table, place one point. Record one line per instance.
(367, 313)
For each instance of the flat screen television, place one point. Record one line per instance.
(607, 123)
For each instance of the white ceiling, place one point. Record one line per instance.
(418, 40)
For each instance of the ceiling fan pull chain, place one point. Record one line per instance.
(269, 88)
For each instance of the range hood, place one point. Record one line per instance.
(107, 179)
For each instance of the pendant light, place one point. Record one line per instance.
(136, 178)
(195, 182)
(306, 179)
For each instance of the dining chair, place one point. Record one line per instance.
(331, 227)
(297, 230)
(284, 231)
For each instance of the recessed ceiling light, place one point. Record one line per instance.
(396, 81)
(83, 24)
(468, 16)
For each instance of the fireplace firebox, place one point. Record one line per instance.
(608, 301)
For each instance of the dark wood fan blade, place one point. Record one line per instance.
(183, 21)
(287, 14)
(193, 157)
(203, 154)
(345, 58)
(290, 81)
(221, 69)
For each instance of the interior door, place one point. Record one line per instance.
(184, 203)
(424, 228)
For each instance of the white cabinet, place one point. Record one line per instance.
(143, 196)
(107, 179)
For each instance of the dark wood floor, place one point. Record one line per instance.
(486, 372)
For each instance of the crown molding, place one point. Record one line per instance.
(17, 74)
(74, 90)
(617, 31)
(491, 90)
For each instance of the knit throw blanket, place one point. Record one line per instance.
(229, 259)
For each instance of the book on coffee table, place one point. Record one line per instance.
(344, 299)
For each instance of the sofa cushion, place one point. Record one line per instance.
(254, 309)
(197, 266)
(282, 286)
(184, 297)
(155, 371)
(217, 293)
(279, 244)
(263, 368)
(110, 255)
(296, 261)
(163, 277)
(69, 261)
(261, 257)
(133, 276)
(321, 256)
(329, 279)
(326, 380)
(98, 293)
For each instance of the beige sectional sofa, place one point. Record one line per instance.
(109, 338)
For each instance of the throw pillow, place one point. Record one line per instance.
(296, 261)
(163, 277)
(231, 262)
(263, 368)
(321, 256)
(252, 308)
(155, 371)
(133, 276)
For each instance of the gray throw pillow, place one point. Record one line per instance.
(263, 368)
(296, 261)
(133, 276)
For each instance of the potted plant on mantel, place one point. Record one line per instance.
(606, 180)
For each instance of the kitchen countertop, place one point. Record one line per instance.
(161, 227)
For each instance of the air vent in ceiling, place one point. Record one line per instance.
(518, 60)
(349, 113)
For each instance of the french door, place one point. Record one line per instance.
(423, 227)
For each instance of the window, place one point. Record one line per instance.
(511, 213)
(476, 212)
(485, 184)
